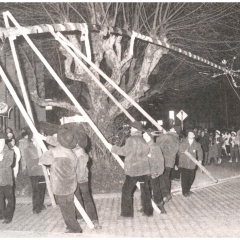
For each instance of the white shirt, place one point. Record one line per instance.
(18, 157)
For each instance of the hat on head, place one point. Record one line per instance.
(138, 126)
(218, 132)
(81, 138)
(66, 138)
(3, 135)
(233, 133)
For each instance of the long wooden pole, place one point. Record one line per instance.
(201, 166)
(43, 28)
(80, 209)
(72, 98)
(28, 106)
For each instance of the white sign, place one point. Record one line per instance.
(181, 115)
(171, 115)
(76, 118)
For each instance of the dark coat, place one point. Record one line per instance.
(135, 152)
(6, 172)
(63, 169)
(156, 161)
(169, 143)
(194, 149)
(32, 159)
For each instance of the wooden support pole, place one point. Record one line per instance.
(28, 106)
(72, 98)
(201, 166)
(26, 116)
(51, 71)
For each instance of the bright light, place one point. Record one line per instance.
(160, 122)
(171, 115)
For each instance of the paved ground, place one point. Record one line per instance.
(213, 211)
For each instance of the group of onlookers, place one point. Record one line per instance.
(216, 144)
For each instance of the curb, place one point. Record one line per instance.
(27, 200)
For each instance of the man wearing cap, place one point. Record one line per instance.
(82, 193)
(169, 143)
(186, 165)
(136, 168)
(156, 163)
(63, 176)
(6, 181)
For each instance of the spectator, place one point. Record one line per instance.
(187, 166)
(219, 142)
(36, 175)
(6, 181)
(23, 143)
(17, 157)
(213, 151)
(233, 147)
(204, 141)
(226, 146)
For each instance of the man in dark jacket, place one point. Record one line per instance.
(169, 143)
(137, 169)
(64, 177)
(6, 181)
(156, 163)
(186, 165)
(35, 172)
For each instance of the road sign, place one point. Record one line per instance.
(181, 115)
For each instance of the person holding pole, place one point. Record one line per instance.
(6, 181)
(63, 176)
(137, 169)
(156, 163)
(82, 193)
(186, 165)
(169, 144)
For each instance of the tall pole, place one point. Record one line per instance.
(28, 106)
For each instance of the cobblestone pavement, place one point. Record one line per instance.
(210, 212)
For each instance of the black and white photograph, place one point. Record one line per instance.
(119, 119)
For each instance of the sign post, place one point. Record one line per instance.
(181, 115)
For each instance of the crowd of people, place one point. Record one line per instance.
(151, 158)
(216, 144)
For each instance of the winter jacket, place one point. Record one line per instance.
(204, 141)
(32, 159)
(194, 149)
(23, 143)
(6, 172)
(169, 143)
(135, 152)
(82, 159)
(156, 161)
(63, 169)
